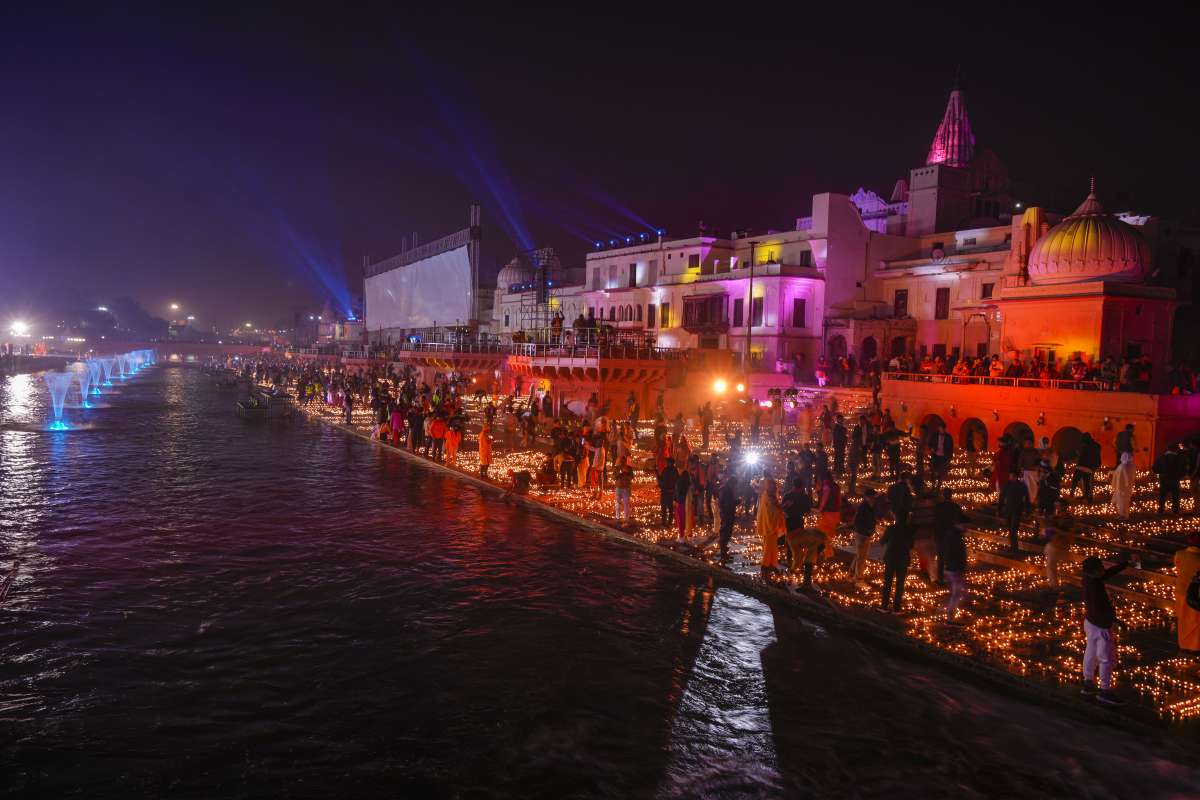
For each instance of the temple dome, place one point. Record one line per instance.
(1090, 245)
(514, 272)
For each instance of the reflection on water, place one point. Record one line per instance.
(208, 607)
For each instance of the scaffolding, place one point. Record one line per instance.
(541, 299)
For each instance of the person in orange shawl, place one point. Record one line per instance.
(770, 523)
(829, 506)
(485, 449)
(1187, 564)
(454, 436)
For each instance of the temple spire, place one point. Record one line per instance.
(953, 144)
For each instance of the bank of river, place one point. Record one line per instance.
(208, 607)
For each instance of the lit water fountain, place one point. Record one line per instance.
(59, 384)
(108, 365)
(96, 371)
(84, 376)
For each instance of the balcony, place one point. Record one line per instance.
(706, 314)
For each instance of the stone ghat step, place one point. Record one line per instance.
(1164, 552)
(1071, 556)
(999, 560)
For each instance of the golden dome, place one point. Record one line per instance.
(1090, 245)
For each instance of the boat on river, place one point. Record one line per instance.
(257, 404)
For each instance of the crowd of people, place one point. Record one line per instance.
(795, 506)
(1132, 374)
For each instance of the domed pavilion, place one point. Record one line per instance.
(1082, 286)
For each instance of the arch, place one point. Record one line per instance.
(620, 313)
(929, 420)
(629, 313)
(835, 347)
(899, 345)
(1066, 442)
(969, 431)
(1019, 432)
(869, 349)
(639, 312)
(612, 313)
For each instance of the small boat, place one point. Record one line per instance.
(260, 405)
(6, 587)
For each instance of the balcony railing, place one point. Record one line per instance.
(986, 380)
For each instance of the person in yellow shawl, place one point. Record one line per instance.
(770, 523)
(1187, 563)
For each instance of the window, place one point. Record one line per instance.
(639, 312)
(710, 342)
(806, 258)
(985, 291)
(738, 312)
(900, 304)
(612, 313)
(506, 320)
(798, 309)
(650, 309)
(632, 275)
(969, 241)
(756, 311)
(939, 351)
(664, 316)
(703, 312)
(1008, 238)
(724, 267)
(941, 309)
(694, 261)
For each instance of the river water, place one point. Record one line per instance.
(208, 607)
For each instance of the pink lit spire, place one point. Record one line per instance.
(954, 144)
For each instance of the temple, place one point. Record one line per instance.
(948, 268)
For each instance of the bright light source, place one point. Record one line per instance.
(751, 458)
(102, 308)
(20, 328)
(741, 387)
(719, 386)
(174, 306)
(191, 319)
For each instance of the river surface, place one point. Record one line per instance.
(208, 607)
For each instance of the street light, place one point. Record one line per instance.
(19, 328)
(174, 306)
(719, 386)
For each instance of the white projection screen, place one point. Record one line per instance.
(434, 290)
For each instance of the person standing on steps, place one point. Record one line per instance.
(897, 553)
(1099, 618)
(1123, 478)
(1014, 497)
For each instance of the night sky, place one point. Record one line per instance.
(243, 165)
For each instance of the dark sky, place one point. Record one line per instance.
(242, 165)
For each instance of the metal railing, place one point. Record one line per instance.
(987, 380)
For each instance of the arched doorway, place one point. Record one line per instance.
(973, 436)
(899, 346)
(1019, 432)
(1066, 443)
(870, 349)
(930, 423)
(835, 347)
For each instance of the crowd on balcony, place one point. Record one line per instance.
(1134, 374)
